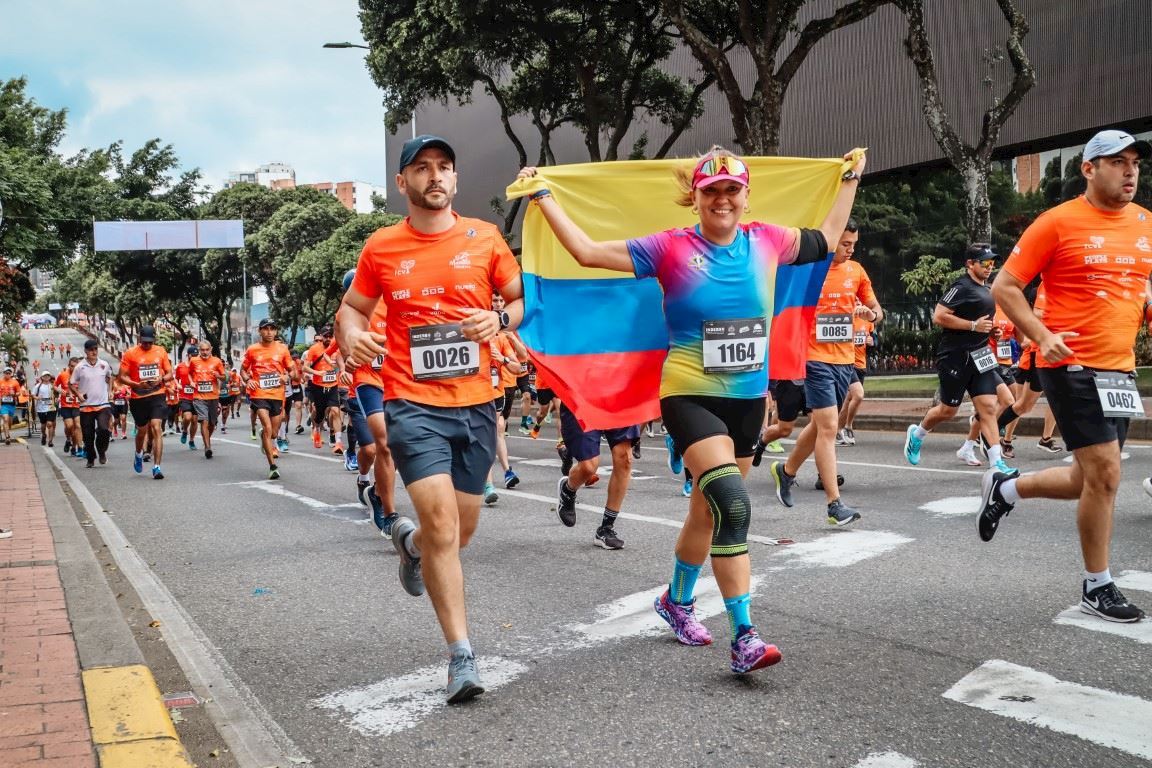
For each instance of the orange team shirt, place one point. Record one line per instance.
(501, 345)
(9, 389)
(314, 359)
(296, 373)
(235, 383)
(370, 374)
(172, 393)
(427, 282)
(120, 395)
(265, 367)
(138, 365)
(67, 400)
(1095, 266)
(846, 282)
(861, 329)
(184, 380)
(205, 376)
(1002, 347)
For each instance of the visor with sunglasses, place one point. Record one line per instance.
(715, 168)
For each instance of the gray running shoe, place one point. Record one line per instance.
(411, 577)
(840, 513)
(463, 679)
(783, 481)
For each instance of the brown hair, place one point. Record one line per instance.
(683, 174)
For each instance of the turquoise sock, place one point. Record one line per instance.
(683, 584)
(738, 613)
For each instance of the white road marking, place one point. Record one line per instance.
(840, 549)
(602, 471)
(1124, 456)
(910, 468)
(397, 704)
(1140, 631)
(1102, 717)
(250, 732)
(321, 507)
(886, 760)
(953, 506)
(284, 454)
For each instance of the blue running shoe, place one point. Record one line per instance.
(378, 513)
(463, 679)
(282, 444)
(510, 479)
(912, 445)
(1000, 466)
(675, 460)
(386, 528)
(138, 463)
(183, 439)
(156, 473)
(687, 490)
(351, 463)
(191, 445)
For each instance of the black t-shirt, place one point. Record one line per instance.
(968, 300)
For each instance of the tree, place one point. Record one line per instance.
(972, 162)
(718, 30)
(16, 293)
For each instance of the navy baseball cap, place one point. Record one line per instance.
(267, 323)
(147, 333)
(412, 147)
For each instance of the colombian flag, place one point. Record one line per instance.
(599, 337)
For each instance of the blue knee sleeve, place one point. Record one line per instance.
(723, 487)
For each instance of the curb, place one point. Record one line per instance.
(130, 724)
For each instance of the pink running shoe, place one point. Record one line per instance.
(750, 653)
(682, 619)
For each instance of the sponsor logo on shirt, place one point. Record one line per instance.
(1102, 295)
(432, 290)
(696, 262)
(461, 260)
(1095, 259)
(1095, 242)
(465, 286)
(404, 294)
(1143, 245)
(406, 267)
(470, 233)
(1126, 260)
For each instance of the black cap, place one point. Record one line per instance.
(91, 344)
(267, 323)
(979, 252)
(147, 333)
(325, 331)
(412, 148)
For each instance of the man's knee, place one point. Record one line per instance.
(622, 458)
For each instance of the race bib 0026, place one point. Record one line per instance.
(442, 352)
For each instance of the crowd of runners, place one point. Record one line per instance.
(422, 370)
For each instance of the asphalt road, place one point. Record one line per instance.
(906, 640)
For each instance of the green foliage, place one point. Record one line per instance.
(13, 343)
(930, 276)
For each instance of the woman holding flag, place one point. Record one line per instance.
(717, 278)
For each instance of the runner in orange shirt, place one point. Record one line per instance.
(1028, 390)
(146, 370)
(1095, 255)
(862, 339)
(265, 372)
(436, 272)
(323, 374)
(296, 401)
(206, 372)
(506, 351)
(69, 411)
(847, 292)
(120, 395)
(186, 409)
(9, 389)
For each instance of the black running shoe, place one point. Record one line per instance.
(208, 453)
(1048, 444)
(758, 453)
(993, 507)
(606, 538)
(820, 482)
(840, 513)
(361, 487)
(783, 482)
(636, 449)
(565, 503)
(1109, 603)
(299, 429)
(565, 459)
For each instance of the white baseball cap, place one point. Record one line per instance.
(1113, 142)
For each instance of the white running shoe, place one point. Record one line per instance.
(968, 456)
(842, 438)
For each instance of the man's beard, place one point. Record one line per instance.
(420, 200)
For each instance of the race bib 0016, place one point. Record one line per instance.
(833, 329)
(1118, 395)
(734, 346)
(984, 359)
(442, 352)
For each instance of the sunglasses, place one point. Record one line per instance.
(716, 165)
(988, 263)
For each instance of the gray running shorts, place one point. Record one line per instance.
(428, 440)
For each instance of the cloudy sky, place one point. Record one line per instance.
(230, 85)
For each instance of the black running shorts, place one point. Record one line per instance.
(692, 418)
(1076, 406)
(958, 375)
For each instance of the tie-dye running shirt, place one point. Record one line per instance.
(708, 283)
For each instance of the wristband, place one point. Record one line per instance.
(540, 195)
(973, 325)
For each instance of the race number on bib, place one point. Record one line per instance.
(442, 352)
(205, 387)
(329, 377)
(117, 401)
(1004, 350)
(189, 390)
(6, 399)
(984, 359)
(1118, 396)
(734, 346)
(269, 381)
(149, 372)
(377, 362)
(833, 328)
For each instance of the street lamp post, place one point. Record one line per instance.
(357, 45)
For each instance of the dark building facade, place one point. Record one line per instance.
(1093, 62)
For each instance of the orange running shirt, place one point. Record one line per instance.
(235, 384)
(314, 359)
(120, 395)
(138, 365)
(370, 374)
(267, 369)
(205, 376)
(172, 393)
(1095, 266)
(501, 345)
(861, 330)
(184, 380)
(427, 282)
(61, 383)
(1002, 347)
(846, 282)
(9, 389)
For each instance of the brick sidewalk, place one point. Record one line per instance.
(43, 719)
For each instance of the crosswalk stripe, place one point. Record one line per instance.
(953, 506)
(886, 760)
(1102, 717)
(1140, 631)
